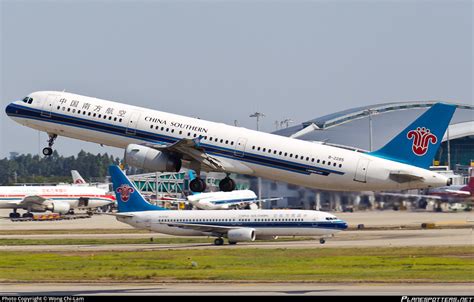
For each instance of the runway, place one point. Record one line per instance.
(218, 288)
(389, 238)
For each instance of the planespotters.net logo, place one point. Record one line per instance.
(125, 191)
(421, 137)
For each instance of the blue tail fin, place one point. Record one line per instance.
(129, 198)
(418, 143)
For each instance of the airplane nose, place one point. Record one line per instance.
(343, 225)
(9, 110)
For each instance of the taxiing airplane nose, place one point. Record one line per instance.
(343, 225)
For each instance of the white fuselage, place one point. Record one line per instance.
(266, 223)
(12, 196)
(222, 200)
(247, 152)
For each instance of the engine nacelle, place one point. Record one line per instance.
(60, 207)
(151, 159)
(244, 234)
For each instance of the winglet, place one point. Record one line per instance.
(418, 143)
(129, 198)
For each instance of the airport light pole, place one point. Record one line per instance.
(286, 122)
(370, 112)
(258, 115)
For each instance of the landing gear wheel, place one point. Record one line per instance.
(227, 184)
(47, 151)
(14, 215)
(232, 242)
(28, 215)
(322, 241)
(218, 241)
(197, 185)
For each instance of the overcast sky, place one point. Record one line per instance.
(223, 60)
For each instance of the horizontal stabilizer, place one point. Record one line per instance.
(404, 176)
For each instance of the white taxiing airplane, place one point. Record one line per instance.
(237, 225)
(160, 141)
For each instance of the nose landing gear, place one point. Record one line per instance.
(48, 150)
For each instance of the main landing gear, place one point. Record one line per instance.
(14, 214)
(227, 184)
(48, 150)
(197, 185)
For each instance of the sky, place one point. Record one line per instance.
(224, 60)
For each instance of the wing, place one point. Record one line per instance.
(205, 228)
(409, 195)
(459, 192)
(32, 200)
(191, 150)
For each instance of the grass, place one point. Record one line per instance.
(407, 264)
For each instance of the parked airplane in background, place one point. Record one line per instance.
(58, 199)
(457, 191)
(160, 141)
(460, 195)
(79, 181)
(237, 225)
(77, 178)
(237, 199)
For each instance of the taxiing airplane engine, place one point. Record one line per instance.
(151, 159)
(244, 234)
(60, 207)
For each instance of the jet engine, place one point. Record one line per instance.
(60, 207)
(151, 159)
(244, 234)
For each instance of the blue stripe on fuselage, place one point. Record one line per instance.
(32, 113)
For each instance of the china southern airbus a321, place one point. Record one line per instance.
(236, 225)
(160, 141)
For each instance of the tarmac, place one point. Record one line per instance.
(218, 288)
(381, 229)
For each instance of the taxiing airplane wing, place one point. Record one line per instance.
(206, 228)
(191, 150)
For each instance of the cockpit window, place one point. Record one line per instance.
(28, 100)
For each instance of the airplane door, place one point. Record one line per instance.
(361, 171)
(132, 123)
(240, 147)
(48, 105)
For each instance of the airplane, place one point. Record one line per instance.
(159, 141)
(57, 199)
(455, 191)
(237, 199)
(459, 197)
(236, 226)
(78, 180)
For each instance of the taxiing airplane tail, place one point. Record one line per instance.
(77, 178)
(129, 198)
(418, 143)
